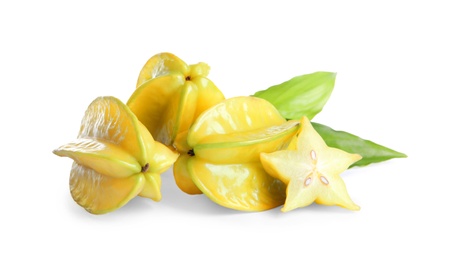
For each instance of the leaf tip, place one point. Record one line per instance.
(402, 155)
(330, 73)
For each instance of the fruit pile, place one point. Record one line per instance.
(248, 153)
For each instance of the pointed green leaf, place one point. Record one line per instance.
(300, 96)
(370, 151)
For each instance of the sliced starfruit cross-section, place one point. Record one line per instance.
(171, 94)
(115, 158)
(311, 170)
(226, 141)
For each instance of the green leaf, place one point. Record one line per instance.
(300, 96)
(370, 151)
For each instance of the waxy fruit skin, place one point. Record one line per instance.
(226, 141)
(115, 158)
(171, 94)
(248, 153)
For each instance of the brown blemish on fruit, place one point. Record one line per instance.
(145, 168)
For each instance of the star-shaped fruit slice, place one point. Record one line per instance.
(311, 170)
(115, 158)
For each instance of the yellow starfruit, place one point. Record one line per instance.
(311, 170)
(221, 155)
(171, 94)
(115, 158)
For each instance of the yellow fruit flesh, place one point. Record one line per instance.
(311, 171)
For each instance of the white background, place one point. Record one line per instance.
(396, 64)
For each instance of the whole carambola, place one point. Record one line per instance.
(225, 143)
(115, 158)
(171, 94)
